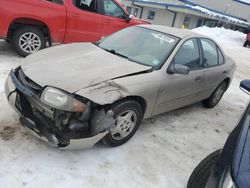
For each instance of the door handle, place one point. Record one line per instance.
(107, 20)
(75, 15)
(224, 72)
(198, 79)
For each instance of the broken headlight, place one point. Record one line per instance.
(61, 100)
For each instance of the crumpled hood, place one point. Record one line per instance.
(76, 66)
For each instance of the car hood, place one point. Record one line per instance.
(76, 66)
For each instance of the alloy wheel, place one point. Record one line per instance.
(30, 42)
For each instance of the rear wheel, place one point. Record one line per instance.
(216, 96)
(128, 115)
(201, 173)
(27, 40)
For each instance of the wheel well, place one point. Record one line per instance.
(20, 22)
(227, 80)
(138, 99)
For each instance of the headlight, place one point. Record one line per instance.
(61, 100)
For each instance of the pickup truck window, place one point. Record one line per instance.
(112, 9)
(60, 2)
(87, 5)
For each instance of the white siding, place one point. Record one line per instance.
(162, 17)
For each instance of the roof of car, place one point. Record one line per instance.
(180, 33)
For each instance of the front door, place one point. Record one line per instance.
(84, 21)
(113, 17)
(178, 90)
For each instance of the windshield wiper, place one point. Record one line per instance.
(124, 56)
(117, 53)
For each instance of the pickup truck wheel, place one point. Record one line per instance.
(7, 40)
(201, 173)
(128, 116)
(27, 40)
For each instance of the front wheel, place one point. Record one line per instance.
(27, 40)
(216, 96)
(128, 116)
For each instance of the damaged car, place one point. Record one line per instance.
(75, 95)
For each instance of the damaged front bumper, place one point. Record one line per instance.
(41, 119)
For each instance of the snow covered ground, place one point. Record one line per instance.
(161, 154)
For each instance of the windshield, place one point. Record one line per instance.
(141, 45)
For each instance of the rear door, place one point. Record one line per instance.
(84, 21)
(215, 70)
(113, 17)
(178, 90)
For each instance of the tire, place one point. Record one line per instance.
(121, 110)
(216, 96)
(245, 44)
(201, 173)
(27, 40)
(7, 41)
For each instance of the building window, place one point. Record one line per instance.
(199, 22)
(128, 8)
(186, 21)
(151, 15)
(136, 12)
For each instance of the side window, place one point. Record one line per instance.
(210, 57)
(188, 55)
(112, 9)
(221, 58)
(87, 5)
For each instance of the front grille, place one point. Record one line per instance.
(28, 83)
(24, 105)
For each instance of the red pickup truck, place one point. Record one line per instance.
(29, 25)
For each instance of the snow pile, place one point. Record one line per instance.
(223, 36)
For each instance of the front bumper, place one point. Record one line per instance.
(15, 92)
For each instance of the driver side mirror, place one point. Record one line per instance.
(179, 69)
(128, 17)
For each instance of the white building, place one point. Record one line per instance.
(234, 14)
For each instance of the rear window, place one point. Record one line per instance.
(210, 56)
(221, 58)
